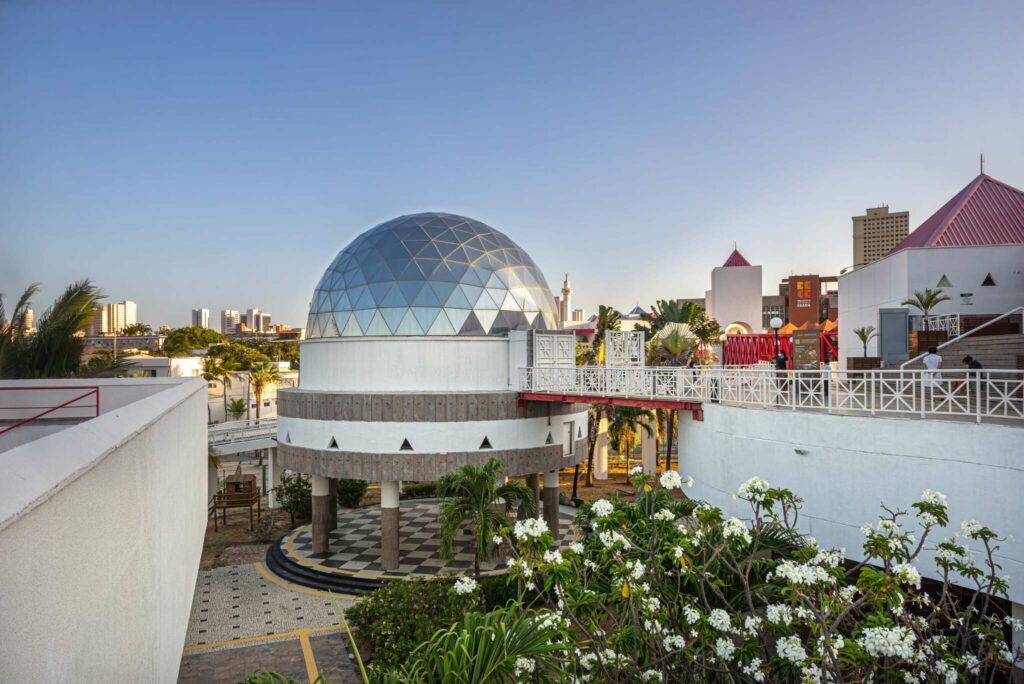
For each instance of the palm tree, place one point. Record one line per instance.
(236, 407)
(668, 311)
(608, 318)
(674, 349)
(471, 494)
(624, 426)
(926, 301)
(864, 335)
(136, 329)
(219, 370)
(262, 376)
(54, 351)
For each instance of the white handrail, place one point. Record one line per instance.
(1019, 309)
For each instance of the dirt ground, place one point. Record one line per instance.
(233, 543)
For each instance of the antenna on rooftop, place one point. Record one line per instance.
(981, 161)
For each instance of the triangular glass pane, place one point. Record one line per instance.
(486, 318)
(411, 272)
(393, 297)
(377, 326)
(441, 326)
(409, 326)
(352, 328)
(485, 302)
(397, 266)
(313, 327)
(365, 300)
(471, 277)
(393, 317)
(341, 319)
(364, 316)
(457, 317)
(331, 330)
(471, 326)
(458, 300)
(340, 301)
(500, 325)
(449, 271)
(378, 290)
(428, 251)
(354, 276)
(427, 266)
(413, 247)
(510, 304)
(443, 290)
(425, 315)
(472, 293)
(410, 289)
(531, 316)
(426, 297)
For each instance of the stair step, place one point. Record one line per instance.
(288, 569)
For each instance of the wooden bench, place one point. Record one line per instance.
(240, 491)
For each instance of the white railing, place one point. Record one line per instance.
(947, 323)
(241, 430)
(1011, 312)
(980, 394)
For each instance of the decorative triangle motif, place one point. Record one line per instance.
(333, 444)
(989, 281)
(944, 282)
(550, 439)
(486, 444)
(579, 433)
(405, 445)
(287, 438)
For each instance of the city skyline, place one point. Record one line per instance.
(699, 128)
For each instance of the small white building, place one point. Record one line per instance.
(972, 249)
(734, 299)
(164, 366)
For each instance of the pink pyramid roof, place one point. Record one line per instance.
(986, 212)
(736, 259)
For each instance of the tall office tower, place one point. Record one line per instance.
(876, 233)
(29, 320)
(253, 319)
(200, 318)
(229, 320)
(100, 322)
(264, 322)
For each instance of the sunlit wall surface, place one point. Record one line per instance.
(430, 274)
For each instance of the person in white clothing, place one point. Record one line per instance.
(933, 362)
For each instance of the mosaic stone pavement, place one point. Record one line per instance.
(355, 544)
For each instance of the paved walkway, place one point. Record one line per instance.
(245, 619)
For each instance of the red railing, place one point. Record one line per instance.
(91, 393)
(746, 350)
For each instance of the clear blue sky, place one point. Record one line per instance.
(218, 154)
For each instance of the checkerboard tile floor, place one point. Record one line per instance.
(355, 544)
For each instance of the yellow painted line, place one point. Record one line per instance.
(262, 569)
(307, 654)
(304, 631)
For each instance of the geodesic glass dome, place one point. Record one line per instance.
(430, 274)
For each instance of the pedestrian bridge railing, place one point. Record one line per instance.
(241, 431)
(978, 394)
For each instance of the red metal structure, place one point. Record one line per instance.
(745, 350)
(89, 395)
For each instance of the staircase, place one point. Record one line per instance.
(287, 569)
(993, 351)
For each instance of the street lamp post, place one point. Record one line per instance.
(775, 324)
(722, 338)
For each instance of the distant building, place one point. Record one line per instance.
(876, 233)
(265, 322)
(229, 320)
(163, 367)
(200, 318)
(107, 342)
(577, 316)
(734, 299)
(563, 304)
(29, 321)
(113, 318)
(256, 321)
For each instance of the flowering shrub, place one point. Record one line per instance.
(660, 590)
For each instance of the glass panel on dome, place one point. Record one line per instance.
(378, 326)
(486, 319)
(441, 326)
(393, 317)
(352, 328)
(425, 315)
(364, 316)
(409, 325)
(457, 317)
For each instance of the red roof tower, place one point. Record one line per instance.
(736, 259)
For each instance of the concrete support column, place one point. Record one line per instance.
(389, 524)
(601, 451)
(274, 468)
(533, 482)
(649, 448)
(332, 493)
(551, 503)
(321, 514)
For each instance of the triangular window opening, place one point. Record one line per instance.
(579, 433)
(944, 282)
(550, 439)
(989, 281)
(333, 444)
(486, 444)
(287, 438)
(405, 445)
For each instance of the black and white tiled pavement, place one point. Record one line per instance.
(355, 544)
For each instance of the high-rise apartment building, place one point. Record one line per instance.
(253, 319)
(29, 320)
(200, 318)
(229, 320)
(113, 318)
(264, 322)
(876, 233)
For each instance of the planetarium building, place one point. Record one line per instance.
(416, 334)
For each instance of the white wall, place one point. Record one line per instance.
(395, 364)
(854, 464)
(735, 296)
(889, 281)
(101, 530)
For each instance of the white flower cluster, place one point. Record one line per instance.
(612, 540)
(664, 514)
(725, 648)
(636, 470)
(524, 666)
(549, 619)
(790, 648)
(892, 642)
(673, 642)
(907, 574)
(576, 548)
(948, 672)
(497, 540)
(530, 528)
(932, 497)
(971, 527)
(651, 676)
(753, 670)
(691, 614)
(806, 574)
(719, 619)
(829, 559)
(779, 614)
(465, 585)
(750, 626)
(602, 508)
(670, 479)
(847, 593)
(753, 489)
(734, 527)
(651, 604)
(553, 557)
(636, 569)
(811, 674)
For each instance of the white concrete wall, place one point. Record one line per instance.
(889, 281)
(852, 465)
(425, 437)
(735, 296)
(396, 364)
(101, 530)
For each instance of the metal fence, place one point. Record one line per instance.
(979, 394)
(241, 430)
